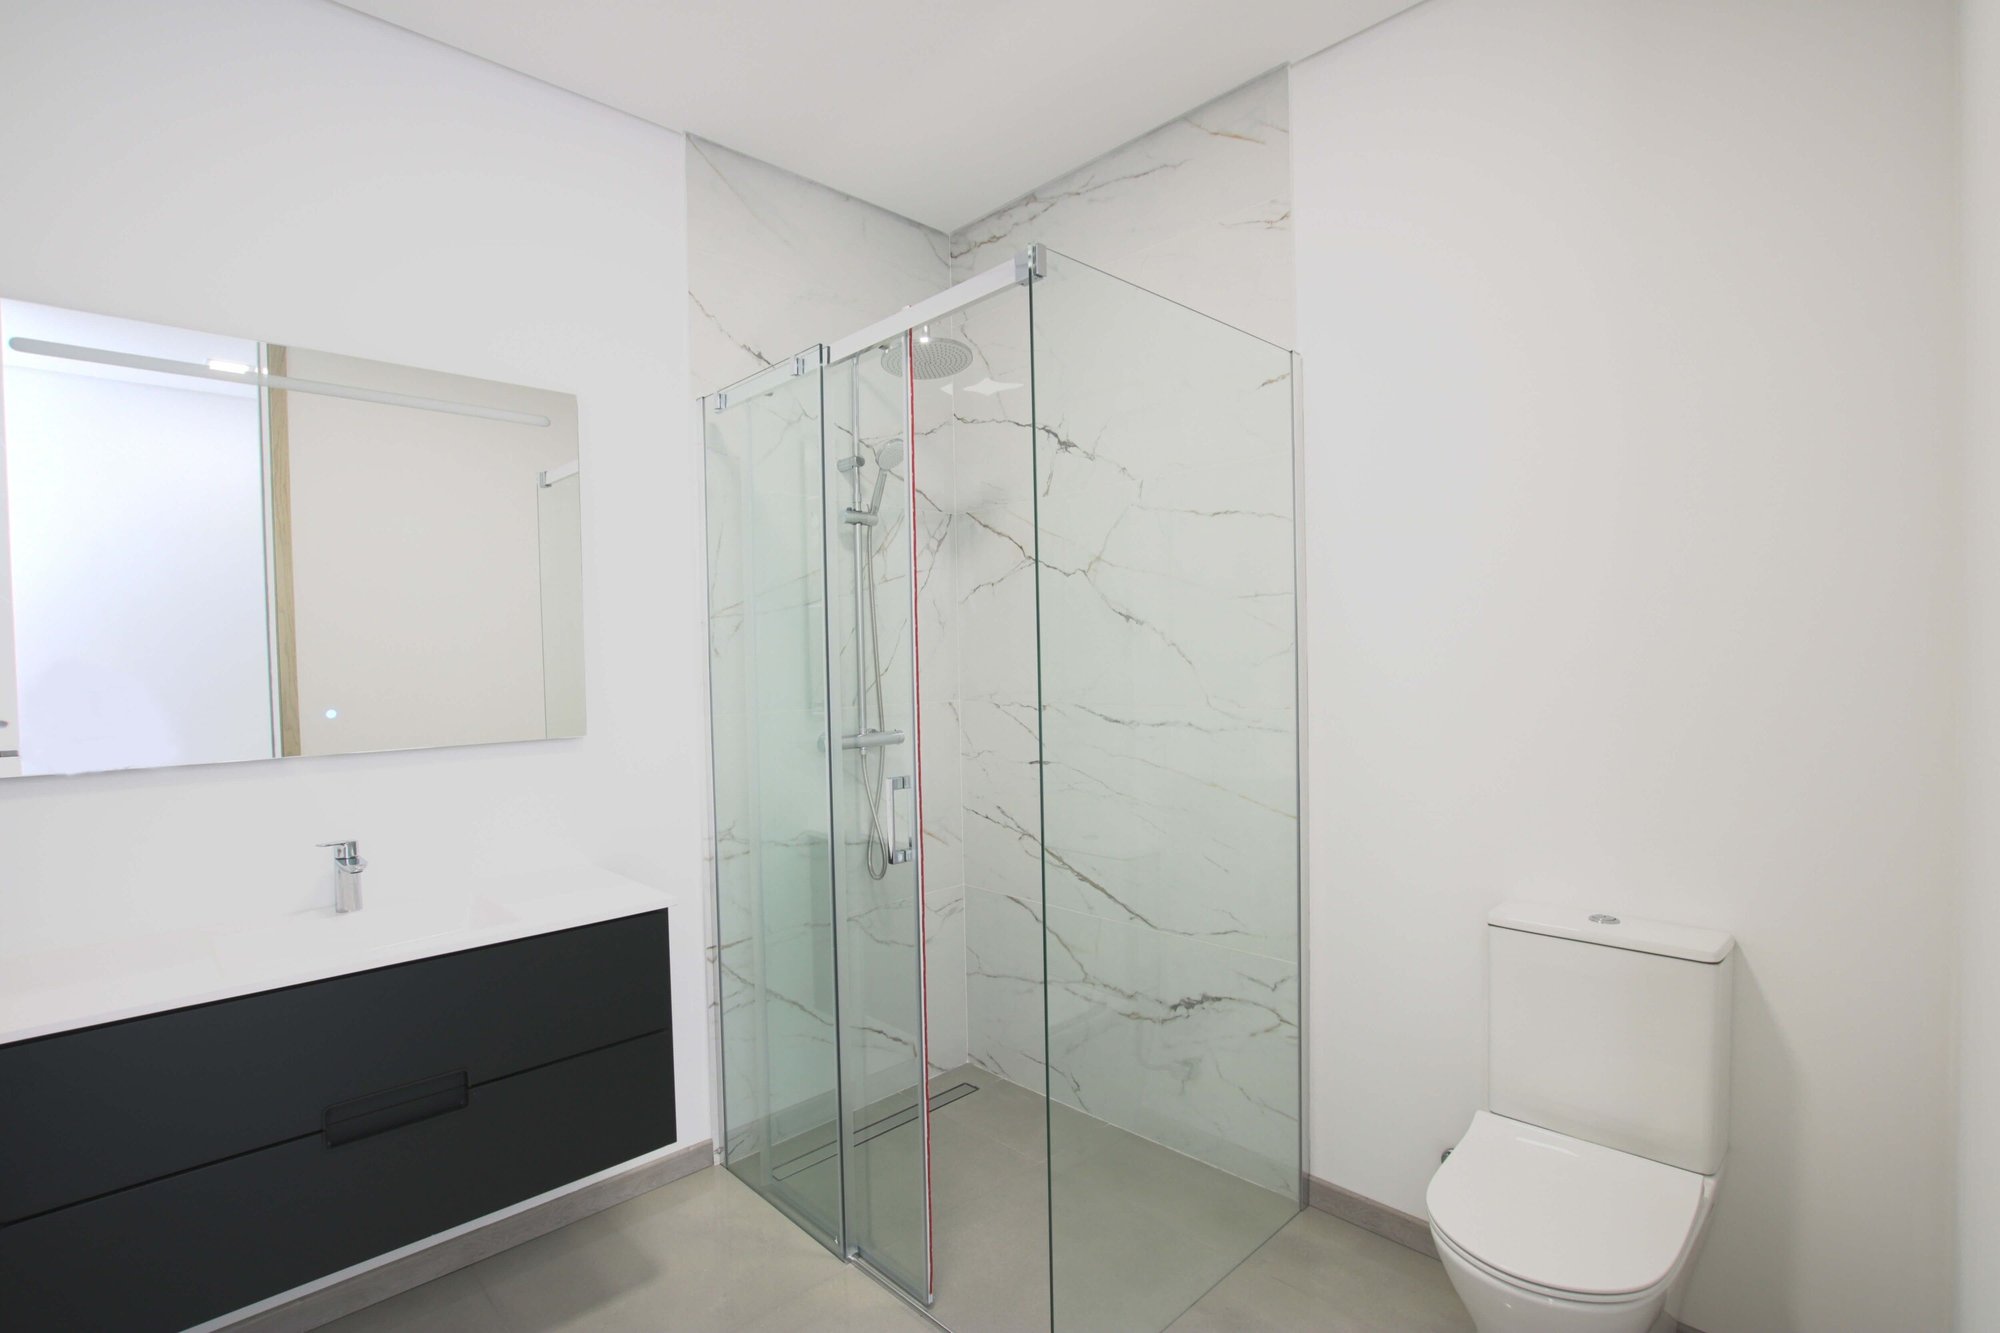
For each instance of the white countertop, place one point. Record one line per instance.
(77, 987)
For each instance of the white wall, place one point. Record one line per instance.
(1979, 932)
(1630, 342)
(327, 181)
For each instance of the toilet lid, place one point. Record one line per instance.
(1561, 1213)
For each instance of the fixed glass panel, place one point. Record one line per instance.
(773, 838)
(877, 860)
(224, 549)
(1165, 544)
(975, 480)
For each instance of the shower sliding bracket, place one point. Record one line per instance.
(762, 381)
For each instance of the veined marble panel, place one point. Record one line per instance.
(1148, 807)
(1004, 982)
(1186, 1044)
(777, 263)
(945, 966)
(1199, 210)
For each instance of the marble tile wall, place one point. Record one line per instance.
(1199, 210)
(1164, 492)
(777, 263)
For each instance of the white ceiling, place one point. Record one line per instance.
(941, 110)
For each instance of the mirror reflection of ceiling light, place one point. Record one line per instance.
(989, 386)
(230, 370)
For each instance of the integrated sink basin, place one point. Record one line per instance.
(346, 941)
(81, 985)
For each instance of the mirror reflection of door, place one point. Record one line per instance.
(136, 543)
(10, 700)
(560, 509)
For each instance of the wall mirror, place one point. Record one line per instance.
(216, 549)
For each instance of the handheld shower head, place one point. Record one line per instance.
(887, 459)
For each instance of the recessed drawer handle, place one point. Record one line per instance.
(379, 1112)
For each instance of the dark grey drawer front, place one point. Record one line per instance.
(88, 1112)
(200, 1244)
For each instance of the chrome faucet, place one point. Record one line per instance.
(348, 865)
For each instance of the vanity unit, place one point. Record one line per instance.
(173, 1166)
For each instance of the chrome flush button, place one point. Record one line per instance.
(1603, 919)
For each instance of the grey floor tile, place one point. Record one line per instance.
(1144, 1238)
(992, 1269)
(1245, 1304)
(454, 1303)
(849, 1302)
(1366, 1278)
(713, 1259)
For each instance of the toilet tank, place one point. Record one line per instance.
(1615, 1031)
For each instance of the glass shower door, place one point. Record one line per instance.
(773, 844)
(872, 701)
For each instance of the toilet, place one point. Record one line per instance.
(1577, 1201)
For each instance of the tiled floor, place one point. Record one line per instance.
(1142, 1233)
(703, 1254)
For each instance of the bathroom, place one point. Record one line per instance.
(1636, 557)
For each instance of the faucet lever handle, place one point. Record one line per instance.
(348, 849)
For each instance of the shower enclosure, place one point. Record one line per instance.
(1005, 718)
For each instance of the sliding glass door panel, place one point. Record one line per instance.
(773, 843)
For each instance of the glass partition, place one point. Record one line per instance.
(1005, 691)
(773, 844)
(1169, 793)
(975, 484)
(877, 862)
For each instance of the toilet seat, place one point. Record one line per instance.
(1512, 1283)
(1561, 1216)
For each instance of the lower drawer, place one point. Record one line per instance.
(200, 1244)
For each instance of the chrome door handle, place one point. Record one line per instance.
(899, 850)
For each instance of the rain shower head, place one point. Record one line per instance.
(935, 357)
